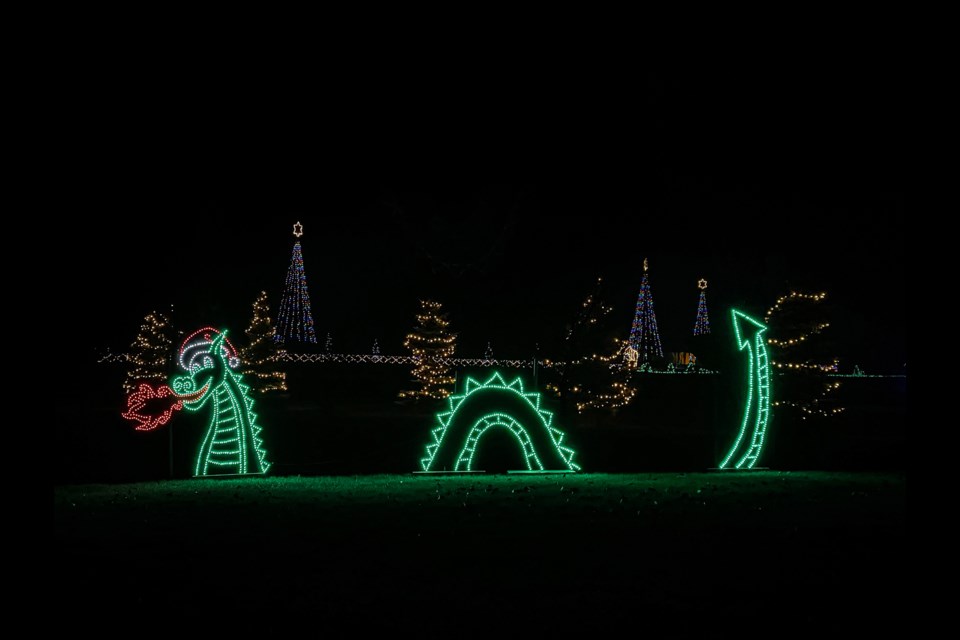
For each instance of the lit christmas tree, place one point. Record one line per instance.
(431, 344)
(294, 322)
(488, 354)
(644, 336)
(328, 345)
(702, 325)
(589, 376)
(150, 353)
(257, 358)
(376, 347)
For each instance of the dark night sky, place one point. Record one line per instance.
(504, 210)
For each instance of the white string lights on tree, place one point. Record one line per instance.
(150, 353)
(592, 375)
(792, 321)
(431, 344)
(259, 356)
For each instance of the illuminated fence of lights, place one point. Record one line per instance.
(358, 358)
(351, 358)
(865, 375)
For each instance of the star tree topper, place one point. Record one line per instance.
(298, 229)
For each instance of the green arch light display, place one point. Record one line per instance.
(465, 459)
(495, 403)
(756, 412)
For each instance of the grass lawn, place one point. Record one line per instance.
(727, 553)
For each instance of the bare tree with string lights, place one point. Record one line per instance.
(796, 322)
(592, 376)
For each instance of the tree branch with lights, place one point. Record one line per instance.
(150, 354)
(796, 320)
(592, 376)
(259, 358)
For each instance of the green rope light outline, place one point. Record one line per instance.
(759, 362)
(497, 420)
(225, 401)
(497, 382)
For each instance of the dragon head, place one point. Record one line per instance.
(206, 359)
(206, 355)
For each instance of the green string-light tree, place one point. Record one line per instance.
(431, 343)
(150, 353)
(258, 359)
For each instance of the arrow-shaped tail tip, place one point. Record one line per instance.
(745, 327)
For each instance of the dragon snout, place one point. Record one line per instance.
(188, 390)
(183, 385)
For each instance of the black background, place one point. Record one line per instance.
(503, 200)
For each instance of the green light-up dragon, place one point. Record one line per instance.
(232, 444)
